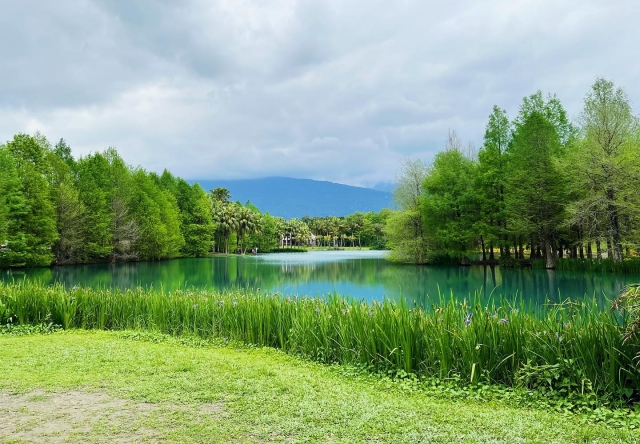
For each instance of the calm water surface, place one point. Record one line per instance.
(360, 274)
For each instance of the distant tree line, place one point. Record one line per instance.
(243, 227)
(55, 209)
(539, 187)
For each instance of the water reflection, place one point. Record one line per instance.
(364, 275)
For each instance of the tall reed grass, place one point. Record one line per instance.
(573, 346)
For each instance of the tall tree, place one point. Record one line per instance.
(607, 163)
(449, 202)
(38, 224)
(405, 229)
(13, 209)
(492, 223)
(536, 189)
(196, 220)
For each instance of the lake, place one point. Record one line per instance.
(359, 274)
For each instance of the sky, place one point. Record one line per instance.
(334, 90)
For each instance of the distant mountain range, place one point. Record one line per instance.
(287, 197)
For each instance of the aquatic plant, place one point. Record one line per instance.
(568, 347)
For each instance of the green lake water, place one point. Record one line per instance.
(359, 274)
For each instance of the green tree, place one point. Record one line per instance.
(13, 209)
(536, 190)
(36, 226)
(95, 191)
(405, 228)
(196, 220)
(449, 203)
(607, 166)
(490, 182)
(225, 217)
(247, 224)
(157, 216)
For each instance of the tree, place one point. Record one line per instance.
(552, 110)
(247, 224)
(70, 221)
(94, 190)
(536, 189)
(607, 163)
(490, 181)
(13, 209)
(121, 191)
(196, 220)
(268, 239)
(221, 195)
(225, 217)
(156, 214)
(449, 203)
(36, 226)
(405, 229)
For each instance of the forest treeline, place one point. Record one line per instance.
(55, 209)
(540, 187)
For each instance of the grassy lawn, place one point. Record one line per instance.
(101, 387)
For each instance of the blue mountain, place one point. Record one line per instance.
(287, 197)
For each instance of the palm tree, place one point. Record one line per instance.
(227, 222)
(247, 223)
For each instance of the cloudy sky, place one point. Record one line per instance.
(334, 90)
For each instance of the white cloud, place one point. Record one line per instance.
(338, 90)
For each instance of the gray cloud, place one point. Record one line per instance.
(333, 90)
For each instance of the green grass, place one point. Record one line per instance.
(564, 350)
(260, 395)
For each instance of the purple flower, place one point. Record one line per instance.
(317, 310)
(220, 303)
(503, 320)
(467, 320)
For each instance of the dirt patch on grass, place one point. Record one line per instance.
(77, 416)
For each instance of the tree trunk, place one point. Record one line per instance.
(491, 254)
(484, 251)
(614, 226)
(598, 250)
(551, 260)
(589, 251)
(581, 251)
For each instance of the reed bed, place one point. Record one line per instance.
(627, 266)
(567, 347)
